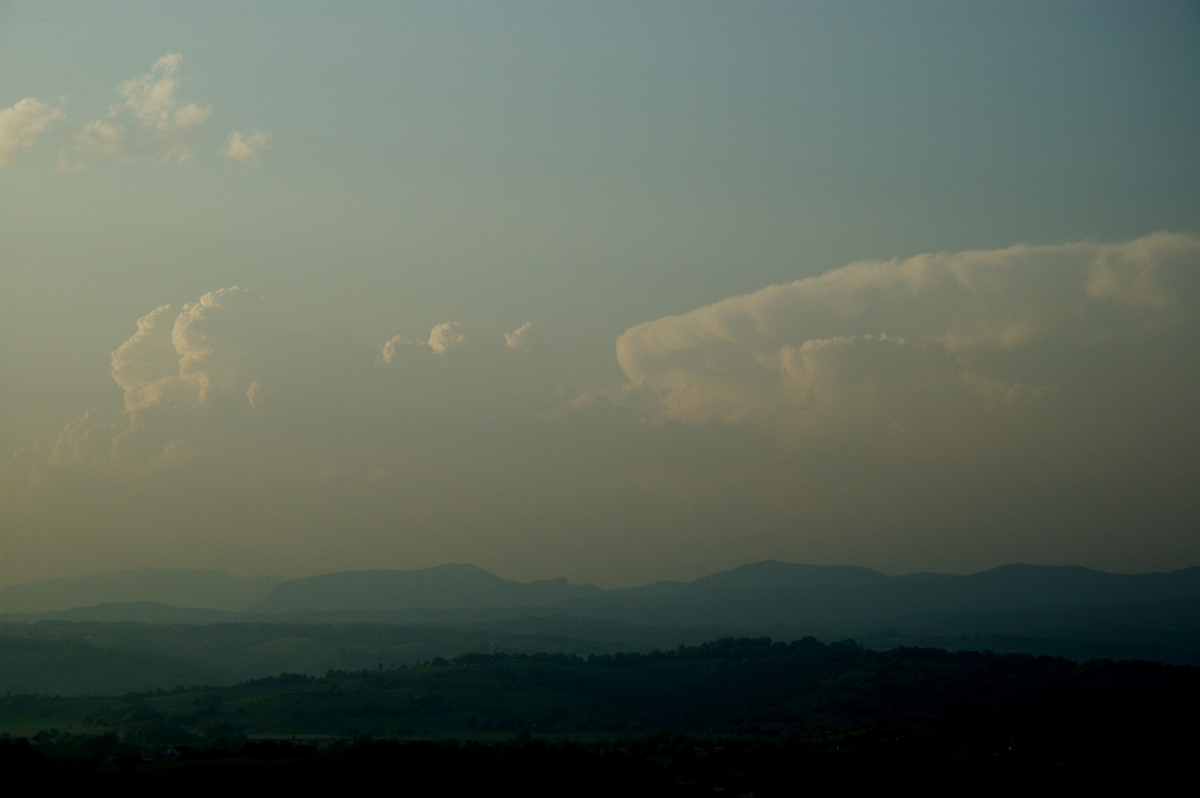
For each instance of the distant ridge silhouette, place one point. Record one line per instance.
(446, 587)
(768, 597)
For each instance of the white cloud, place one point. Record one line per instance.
(188, 374)
(219, 340)
(223, 373)
(391, 349)
(442, 338)
(22, 124)
(245, 147)
(1033, 399)
(202, 354)
(149, 122)
(909, 347)
(147, 365)
(447, 336)
(521, 337)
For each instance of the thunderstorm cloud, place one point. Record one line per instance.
(998, 400)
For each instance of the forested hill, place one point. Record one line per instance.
(816, 706)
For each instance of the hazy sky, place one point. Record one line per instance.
(612, 291)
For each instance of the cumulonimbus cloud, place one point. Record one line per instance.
(909, 344)
(193, 357)
(149, 122)
(21, 125)
(184, 373)
(994, 399)
(205, 376)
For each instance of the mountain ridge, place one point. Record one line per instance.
(358, 619)
(771, 590)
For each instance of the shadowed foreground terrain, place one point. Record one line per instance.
(743, 714)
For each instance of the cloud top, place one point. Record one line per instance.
(202, 354)
(886, 344)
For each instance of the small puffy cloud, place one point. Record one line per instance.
(447, 336)
(913, 347)
(521, 337)
(225, 372)
(447, 373)
(442, 338)
(245, 147)
(22, 124)
(149, 122)
(391, 350)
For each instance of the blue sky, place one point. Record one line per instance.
(588, 168)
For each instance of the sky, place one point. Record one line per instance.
(611, 291)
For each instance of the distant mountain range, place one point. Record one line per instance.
(768, 593)
(776, 593)
(761, 595)
(443, 587)
(207, 626)
(1051, 609)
